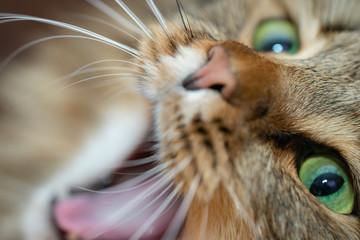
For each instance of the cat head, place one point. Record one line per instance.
(245, 122)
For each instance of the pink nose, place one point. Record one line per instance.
(216, 74)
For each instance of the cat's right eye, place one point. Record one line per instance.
(276, 35)
(328, 179)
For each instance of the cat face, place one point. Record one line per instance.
(253, 114)
(277, 113)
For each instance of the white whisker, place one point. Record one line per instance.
(235, 199)
(122, 91)
(115, 92)
(176, 223)
(240, 208)
(94, 19)
(181, 184)
(168, 176)
(106, 60)
(159, 16)
(123, 47)
(133, 205)
(204, 223)
(156, 214)
(139, 162)
(95, 77)
(114, 15)
(130, 71)
(115, 218)
(9, 58)
(133, 183)
(134, 18)
(119, 173)
(80, 71)
(9, 20)
(98, 69)
(109, 82)
(128, 211)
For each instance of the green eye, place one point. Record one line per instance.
(277, 35)
(328, 180)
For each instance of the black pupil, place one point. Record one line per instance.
(326, 184)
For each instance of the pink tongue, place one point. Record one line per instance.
(114, 216)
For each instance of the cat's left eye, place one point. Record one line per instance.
(328, 179)
(276, 35)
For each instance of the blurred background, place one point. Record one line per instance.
(14, 35)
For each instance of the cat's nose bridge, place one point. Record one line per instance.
(237, 72)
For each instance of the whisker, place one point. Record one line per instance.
(119, 173)
(94, 77)
(162, 182)
(133, 183)
(122, 91)
(159, 16)
(78, 71)
(9, 20)
(182, 9)
(129, 71)
(98, 20)
(115, 92)
(156, 214)
(176, 223)
(235, 199)
(139, 162)
(107, 60)
(9, 58)
(109, 82)
(175, 199)
(134, 18)
(86, 69)
(162, 193)
(174, 171)
(143, 195)
(181, 15)
(99, 69)
(125, 213)
(240, 208)
(115, 218)
(114, 15)
(123, 47)
(204, 223)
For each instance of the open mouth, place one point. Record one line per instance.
(135, 202)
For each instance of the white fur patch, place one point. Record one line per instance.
(118, 133)
(186, 61)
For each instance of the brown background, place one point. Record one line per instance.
(13, 35)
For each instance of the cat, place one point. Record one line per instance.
(208, 119)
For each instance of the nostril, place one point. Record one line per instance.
(190, 83)
(215, 75)
(217, 87)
